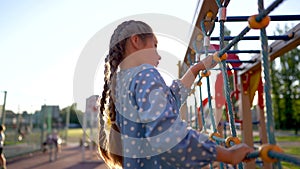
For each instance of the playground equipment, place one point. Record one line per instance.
(3, 109)
(247, 81)
(90, 127)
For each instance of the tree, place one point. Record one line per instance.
(275, 74)
(285, 78)
(75, 114)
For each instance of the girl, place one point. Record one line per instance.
(140, 126)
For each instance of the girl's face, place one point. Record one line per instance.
(148, 53)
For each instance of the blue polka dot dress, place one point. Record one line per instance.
(152, 134)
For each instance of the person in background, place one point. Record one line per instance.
(2, 139)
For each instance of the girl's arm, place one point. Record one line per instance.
(189, 77)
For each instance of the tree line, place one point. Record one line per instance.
(285, 78)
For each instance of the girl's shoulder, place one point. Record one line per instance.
(147, 71)
(144, 73)
(138, 70)
(144, 68)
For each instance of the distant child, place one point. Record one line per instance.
(53, 142)
(2, 138)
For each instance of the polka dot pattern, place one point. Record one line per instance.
(148, 118)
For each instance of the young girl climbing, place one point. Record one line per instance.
(140, 125)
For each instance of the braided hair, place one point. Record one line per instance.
(107, 140)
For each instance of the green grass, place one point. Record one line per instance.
(34, 137)
(74, 135)
(75, 132)
(291, 150)
(288, 138)
(286, 165)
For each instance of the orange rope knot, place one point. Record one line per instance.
(192, 91)
(264, 150)
(193, 52)
(205, 73)
(199, 37)
(253, 24)
(216, 134)
(199, 83)
(209, 16)
(229, 139)
(217, 58)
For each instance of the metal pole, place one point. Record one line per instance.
(84, 136)
(3, 109)
(273, 18)
(42, 123)
(67, 125)
(49, 120)
(18, 129)
(91, 134)
(279, 37)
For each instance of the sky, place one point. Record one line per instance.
(41, 41)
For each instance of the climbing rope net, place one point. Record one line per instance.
(270, 153)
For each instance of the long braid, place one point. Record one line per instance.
(108, 140)
(102, 136)
(113, 59)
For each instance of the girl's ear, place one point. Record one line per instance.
(136, 42)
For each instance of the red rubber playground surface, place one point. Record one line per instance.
(69, 158)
